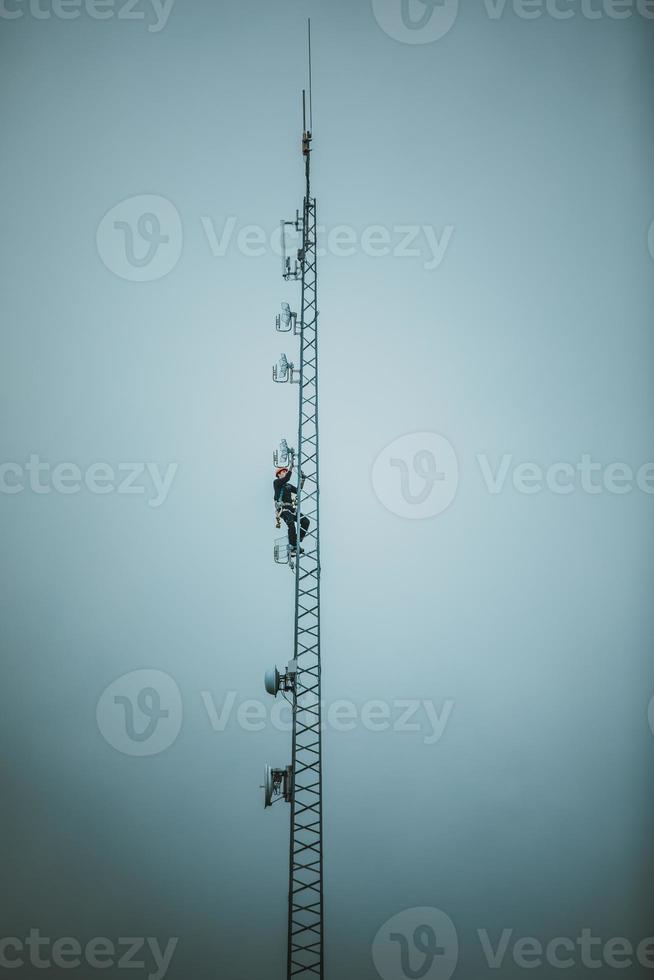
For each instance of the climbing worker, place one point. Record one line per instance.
(286, 505)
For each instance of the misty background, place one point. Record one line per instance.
(524, 620)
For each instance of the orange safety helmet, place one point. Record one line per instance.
(281, 471)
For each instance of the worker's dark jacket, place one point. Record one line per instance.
(284, 492)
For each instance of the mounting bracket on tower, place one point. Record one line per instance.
(285, 455)
(284, 371)
(282, 553)
(276, 682)
(277, 785)
(286, 320)
(293, 271)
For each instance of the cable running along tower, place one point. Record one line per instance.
(300, 783)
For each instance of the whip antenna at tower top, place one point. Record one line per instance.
(310, 77)
(307, 131)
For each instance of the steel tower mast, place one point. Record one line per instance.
(300, 784)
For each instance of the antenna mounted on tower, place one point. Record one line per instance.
(307, 131)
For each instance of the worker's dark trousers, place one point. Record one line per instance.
(290, 520)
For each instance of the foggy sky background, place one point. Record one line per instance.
(534, 140)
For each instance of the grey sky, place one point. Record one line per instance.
(511, 158)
